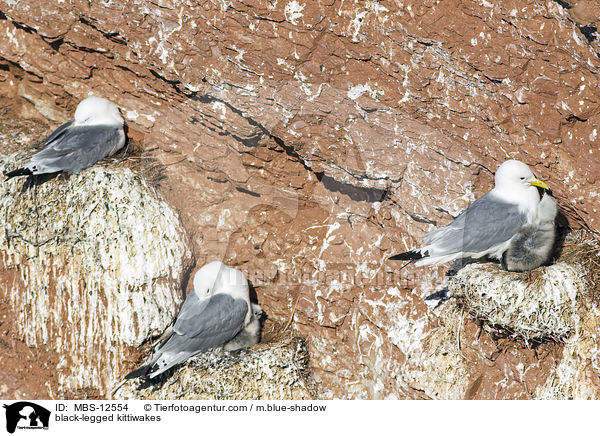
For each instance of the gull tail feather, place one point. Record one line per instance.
(411, 255)
(142, 371)
(18, 172)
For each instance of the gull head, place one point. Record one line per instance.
(97, 111)
(514, 176)
(257, 311)
(216, 277)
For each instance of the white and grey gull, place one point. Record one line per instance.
(490, 224)
(96, 131)
(217, 312)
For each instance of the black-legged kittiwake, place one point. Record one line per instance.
(486, 227)
(533, 245)
(96, 131)
(217, 312)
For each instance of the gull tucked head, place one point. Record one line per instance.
(97, 111)
(218, 277)
(205, 278)
(515, 175)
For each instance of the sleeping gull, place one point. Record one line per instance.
(96, 131)
(217, 312)
(486, 227)
(533, 245)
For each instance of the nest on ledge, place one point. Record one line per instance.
(544, 304)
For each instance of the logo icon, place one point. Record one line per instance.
(26, 415)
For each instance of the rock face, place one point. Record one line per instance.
(305, 142)
(91, 266)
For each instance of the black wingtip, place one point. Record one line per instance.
(142, 371)
(408, 255)
(18, 172)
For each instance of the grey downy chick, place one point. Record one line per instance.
(250, 335)
(533, 245)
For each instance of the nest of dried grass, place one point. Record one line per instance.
(276, 370)
(544, 304)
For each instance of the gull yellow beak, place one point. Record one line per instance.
(539, 184)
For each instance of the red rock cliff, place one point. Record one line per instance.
(306, 141)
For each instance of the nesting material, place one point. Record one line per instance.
(542, 304)
(269, 371)
(97, 261)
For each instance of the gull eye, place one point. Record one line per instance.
(522, 178)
